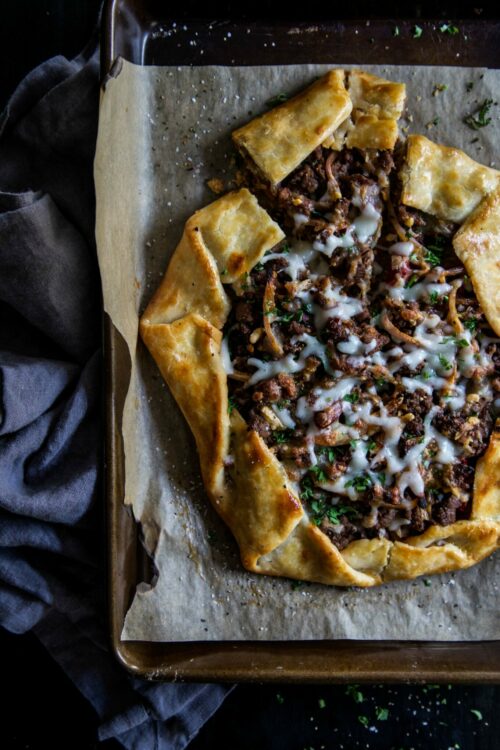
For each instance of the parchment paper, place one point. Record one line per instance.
(162, 133)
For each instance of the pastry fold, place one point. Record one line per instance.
(444, 181)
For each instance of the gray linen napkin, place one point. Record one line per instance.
(52, 563)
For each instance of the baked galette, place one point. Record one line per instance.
(330, 332)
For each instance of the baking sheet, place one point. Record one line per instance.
(163, 132)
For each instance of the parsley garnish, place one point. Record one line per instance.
(433, 254)
(355, 693)
(363, 720)
(307, 492)
(445, 363)
(413, 280)
(280, 698)
(278, 99)
(435, 121)
(470, 324)
(371, 445)
(322, 703)
(282, 436)
(333, 513)
(381, 478)
(231, 404)
(417, 32)
(329, 453)
(283, 403)
(360, 483)
(426, 375)
(382, 714)
(318, 473)
(477, 713)
(395, 31)
(380, 382)
(461, 343)
(433, 297)
(447, 28)
(351, 397)
(479, 118)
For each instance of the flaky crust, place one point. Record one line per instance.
(477, 244)
(280, 139)
(444, 181)
(248, 486)
(377, 105)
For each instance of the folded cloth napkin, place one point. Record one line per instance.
(52, 564)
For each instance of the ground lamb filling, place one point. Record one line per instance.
(359, 353)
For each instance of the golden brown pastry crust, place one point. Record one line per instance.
(246, 483)
(280, 139)
(444, 181)
(477, 244)
(377, 105)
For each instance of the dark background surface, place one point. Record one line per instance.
(42, 709)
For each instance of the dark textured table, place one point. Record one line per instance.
(41, 708)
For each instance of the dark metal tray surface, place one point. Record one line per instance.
(143, 34)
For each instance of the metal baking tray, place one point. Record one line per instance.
(141, 32)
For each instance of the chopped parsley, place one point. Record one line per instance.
(322, 703)
(282, 436)
(433, 297)
(318, 473)
(395, 31)
(371, 445)
(413, 280)
(380, 382)
(470, 324)
(435, 121)
(477, 713)
(278, 99)
(381, 478)
(280, 698)
(363, 720)
(461, 343)
(333, 513)
(447, 28)
(427, 375)
(307, 489)
(445, 363)
(479, 118)
(417, 32)
(353, 398)
(433, 254)
(382, 714)
(231, 404)
(360, 483)
(354, 692)
(329, 452)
